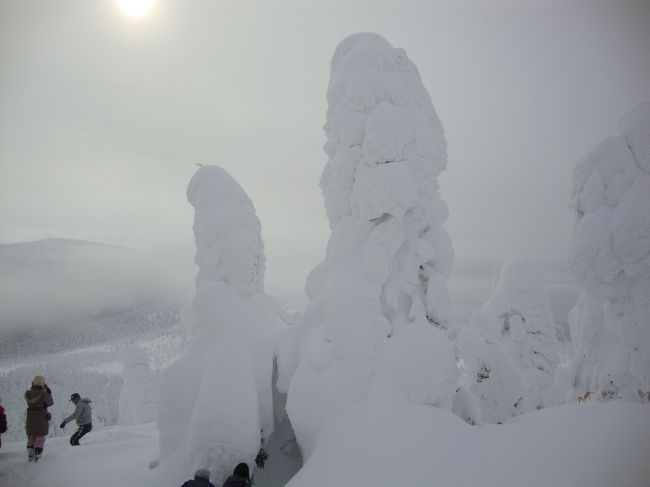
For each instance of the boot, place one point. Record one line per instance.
(30, 454)
(37, 453)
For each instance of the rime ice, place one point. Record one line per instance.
(379, 301)
(215, 403)
(610, 257)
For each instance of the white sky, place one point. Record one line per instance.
(102, 118)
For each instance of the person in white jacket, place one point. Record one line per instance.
(82, 415)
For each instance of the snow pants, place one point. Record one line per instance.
(35, 442)
(83, 429)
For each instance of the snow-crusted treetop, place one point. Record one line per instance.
(379, 114)
(227, 232)
(611, 185)
(520, 290)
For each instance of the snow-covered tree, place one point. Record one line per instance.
(610, 257)
(519, 316)
(138, 401)
(216, 402)
(379, 300)
(490, 374)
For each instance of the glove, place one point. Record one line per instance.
(62, 425)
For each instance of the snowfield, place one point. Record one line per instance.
(587, 445)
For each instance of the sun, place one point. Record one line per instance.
(136, 9)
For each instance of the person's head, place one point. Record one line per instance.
(38, 381)
(242, 470)
(75, 398)
(202, 474)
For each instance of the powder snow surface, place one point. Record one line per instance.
(590, 445)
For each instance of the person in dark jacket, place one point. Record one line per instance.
(3, 422)
(239, 477)
(201, 479)
(37, 422)
(82, 415)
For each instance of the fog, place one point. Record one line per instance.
(66, 283)
(102, 119)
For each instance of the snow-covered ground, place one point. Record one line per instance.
(591, 445)
(587, 445)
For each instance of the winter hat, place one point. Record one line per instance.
(202, 473)
(242, 470)
(38, 380)
(75, 395)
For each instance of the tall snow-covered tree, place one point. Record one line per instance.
(379, 301)
(610, 258)
(216, 400)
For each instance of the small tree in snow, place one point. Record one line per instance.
(519, 314)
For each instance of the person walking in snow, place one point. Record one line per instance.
(37, 418)
(201, 479)
(239, 477)
(82, 415)
(3, 422)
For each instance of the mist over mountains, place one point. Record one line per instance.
(62, 283)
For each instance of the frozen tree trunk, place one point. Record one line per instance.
(379, 300)
(610, 257)
(215, 402)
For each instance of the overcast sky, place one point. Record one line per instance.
(103, 119)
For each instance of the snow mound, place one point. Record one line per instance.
(597, 445)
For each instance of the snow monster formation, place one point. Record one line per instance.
(139, 395)
(216, 401)
(517, 320)
(379, 301)
(610, 258)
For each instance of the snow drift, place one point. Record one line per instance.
(384, 445)
(610, 257)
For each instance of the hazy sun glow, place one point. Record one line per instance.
(137, 9)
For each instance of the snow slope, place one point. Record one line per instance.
(592, 445)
